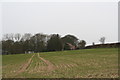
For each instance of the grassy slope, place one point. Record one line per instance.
(69, 64)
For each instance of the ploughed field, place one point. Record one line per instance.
(85, 63)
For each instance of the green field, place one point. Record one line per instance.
(85, 63)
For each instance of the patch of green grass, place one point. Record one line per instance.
(12, 63)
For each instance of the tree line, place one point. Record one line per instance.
(29, 43)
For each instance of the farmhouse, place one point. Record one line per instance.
(72, 47)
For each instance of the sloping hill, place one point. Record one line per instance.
(85, 63)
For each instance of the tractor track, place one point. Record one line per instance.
(25, 66)
(50, 66)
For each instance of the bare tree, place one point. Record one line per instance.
(17, 37)
(102, 40)
(8, 36)
(26, 36)
(93, 43)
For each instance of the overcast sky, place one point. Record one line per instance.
(86, 20)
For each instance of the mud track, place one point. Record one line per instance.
(25, 66)
(50, 66)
